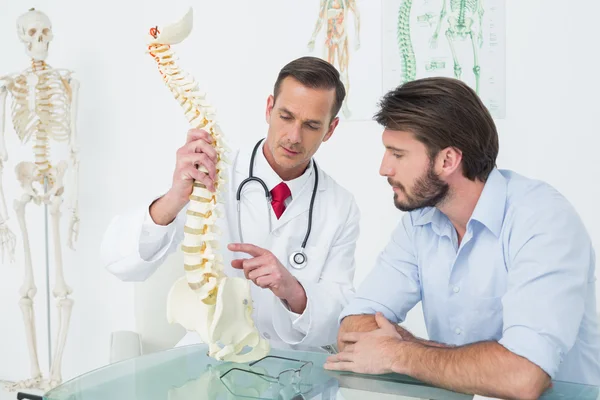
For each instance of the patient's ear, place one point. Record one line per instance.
(447, 161)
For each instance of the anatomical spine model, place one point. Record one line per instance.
(205, 300)
(44, 108)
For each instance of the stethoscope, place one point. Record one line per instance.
(298, 259)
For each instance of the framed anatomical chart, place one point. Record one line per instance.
(463, 39)
(347, 34)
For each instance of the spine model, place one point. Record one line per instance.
(203, 265)
(219, 308)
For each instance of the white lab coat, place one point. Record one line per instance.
(134, 247)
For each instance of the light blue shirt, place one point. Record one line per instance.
(523, 276)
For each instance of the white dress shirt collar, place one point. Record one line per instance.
(264, 171)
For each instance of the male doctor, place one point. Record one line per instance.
(295, 305)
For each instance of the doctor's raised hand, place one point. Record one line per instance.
(197, 151)
(267, 272)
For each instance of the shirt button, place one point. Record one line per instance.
(275, 233)
(266, 335)
(457, 331)
(456, 289)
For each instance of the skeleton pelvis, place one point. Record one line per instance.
(29, 173)
(227, 325)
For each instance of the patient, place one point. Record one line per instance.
(502, 263)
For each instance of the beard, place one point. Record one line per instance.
(429, 191)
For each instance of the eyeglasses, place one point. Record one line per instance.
(288, 377)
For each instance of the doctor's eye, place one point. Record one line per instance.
(397, 155)
(285, 117)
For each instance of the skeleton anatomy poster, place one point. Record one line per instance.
(463, 39)
(347, 33)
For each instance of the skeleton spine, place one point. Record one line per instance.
(462, 8)
(409, 63)
(41, 146)
(202, 264)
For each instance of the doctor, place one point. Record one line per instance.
(298, 249)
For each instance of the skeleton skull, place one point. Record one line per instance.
(35, 30)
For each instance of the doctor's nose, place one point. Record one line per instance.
(295, 134)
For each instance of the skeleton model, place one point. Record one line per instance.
(409, 62)
(205, 300)
(464, 14)
(336, 41)
(44, 107)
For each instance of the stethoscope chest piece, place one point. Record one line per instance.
(298, 260)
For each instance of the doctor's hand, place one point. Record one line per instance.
(266, 271)
(197, 151)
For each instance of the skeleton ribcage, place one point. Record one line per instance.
(463, 6)
(51, 115)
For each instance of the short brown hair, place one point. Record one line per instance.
(444, 112)
(314, 73)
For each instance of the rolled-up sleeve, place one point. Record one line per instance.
(549, 261)
(393, 286)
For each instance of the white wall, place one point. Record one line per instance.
(129, 127)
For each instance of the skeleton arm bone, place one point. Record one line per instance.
(3, 95)
(433, 42)
(352, 6)
(480, 12)
(319, 24)
(7, 238)
(74, 151)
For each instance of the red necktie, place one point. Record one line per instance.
(278, 195)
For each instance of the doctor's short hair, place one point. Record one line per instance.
(314, 73)
(444, 112)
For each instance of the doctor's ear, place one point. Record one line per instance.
(270, 105)
(332, 127)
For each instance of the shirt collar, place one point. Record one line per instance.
(492, 203)
(269, 176)
(489, 209)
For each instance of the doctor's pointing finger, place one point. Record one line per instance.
(266, 271)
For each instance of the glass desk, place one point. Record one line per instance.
(188, 373)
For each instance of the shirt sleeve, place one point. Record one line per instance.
(393, 286)
(133, 246)
(550, 259)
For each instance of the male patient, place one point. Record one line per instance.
(503, 264)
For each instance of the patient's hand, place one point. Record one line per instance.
(372, 352)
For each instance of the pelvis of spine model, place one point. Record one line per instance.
(44, 109)
(205, 300)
